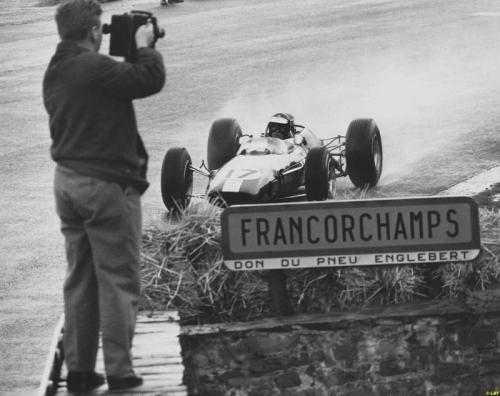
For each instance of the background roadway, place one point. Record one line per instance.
(426, 71)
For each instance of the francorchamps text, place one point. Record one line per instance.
(347, 229)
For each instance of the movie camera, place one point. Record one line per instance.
(123, 28)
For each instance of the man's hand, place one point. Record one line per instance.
(144, 36)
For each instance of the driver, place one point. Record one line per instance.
(281, 126)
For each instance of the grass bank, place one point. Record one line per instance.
(182, 269)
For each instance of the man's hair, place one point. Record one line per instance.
(75, 18)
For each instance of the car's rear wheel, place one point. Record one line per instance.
(223, 142)
(176, 179)
(363, 151)
(318, 174)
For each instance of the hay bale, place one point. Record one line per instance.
(182, 269)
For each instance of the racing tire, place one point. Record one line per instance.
(317, 171)
(223, 142)
(363, 153)
(176, 179)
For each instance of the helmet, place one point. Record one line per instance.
(281, 126)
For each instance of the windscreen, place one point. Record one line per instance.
(263, 146)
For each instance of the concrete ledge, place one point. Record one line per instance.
(475, 303)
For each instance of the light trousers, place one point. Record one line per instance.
(101, 223)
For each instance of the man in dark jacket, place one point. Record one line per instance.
(100, 174)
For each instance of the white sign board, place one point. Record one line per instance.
(350, 233)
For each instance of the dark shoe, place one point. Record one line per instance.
(130, 381)
(82, 381)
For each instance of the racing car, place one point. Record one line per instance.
(286, 158)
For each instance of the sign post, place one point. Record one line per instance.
(339, 234)
(276, 281)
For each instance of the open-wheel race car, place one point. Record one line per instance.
(284, 160)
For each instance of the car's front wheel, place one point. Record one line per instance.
(176, 179)
(223, 142)
(363, 152)
(318, 174)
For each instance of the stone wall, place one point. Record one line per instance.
(433, 348)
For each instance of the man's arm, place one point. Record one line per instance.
(144, 77)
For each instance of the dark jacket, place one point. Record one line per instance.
(88, 97)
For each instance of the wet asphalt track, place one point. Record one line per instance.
(426, 71)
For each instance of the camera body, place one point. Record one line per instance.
(122, 32)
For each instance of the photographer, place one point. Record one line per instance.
(99, 177)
